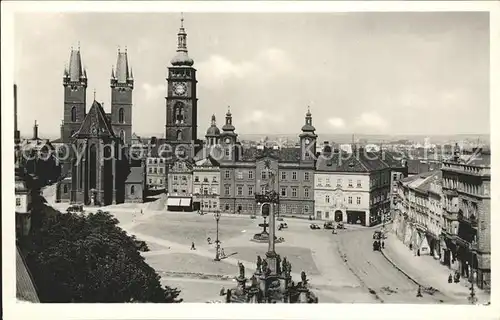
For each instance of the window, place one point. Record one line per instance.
(196, 190)
(160, 170)
(294, 175)
(282, 208)
(150, 170)
(306, 176)
(226, 190)
(320, 181)
(161, 181)
(240, 190)
(294, 192)
(250, 174)
(358, 183)
(349, 200)
(227, 152)
(327, 199)
(196, 179)
(350, 183)
(263, 175)
(250, 190)
(205, 179)
(175, 190)
(250, 207)
(132, 190)
(214, 190)
(283, 191)
(306, 192)
(226, 207)
(283, 175)
(262, 189)
(73, 114)
(155, 161)
(183, 190)
(339, 182)
(327, 215)
(150, 161)
(18, 200)
(121, 115)
(239, 175)
(155, 170)
(227, 174)
(306, 209)
(175, 178)
(294, 208)
(214, 179)
(358, 200)
(205, 190)
(150, 181)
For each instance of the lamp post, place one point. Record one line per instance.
(217, 242)
(202, 203)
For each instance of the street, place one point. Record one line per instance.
(377, 274)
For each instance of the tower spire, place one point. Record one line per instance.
(94, 94)
(182, 58)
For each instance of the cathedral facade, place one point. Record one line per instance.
(99, 169)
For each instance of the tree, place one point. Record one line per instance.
(88, 258)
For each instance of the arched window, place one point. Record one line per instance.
(122, 135)
(179, 112)
(93, 167)
(73, 114)
(121, 115)
(179, 135)
(132, 190)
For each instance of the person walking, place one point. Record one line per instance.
(192, 246)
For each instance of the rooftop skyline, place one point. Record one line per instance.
(366, 73)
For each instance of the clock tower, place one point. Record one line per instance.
(181, 100)
(308, 139)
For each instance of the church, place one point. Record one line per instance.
(100, 170)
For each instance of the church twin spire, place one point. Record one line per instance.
(122, 73)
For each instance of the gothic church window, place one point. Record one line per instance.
(73, 114)
(179, 113)
(179, 135)
(132, 190)
(121, 115)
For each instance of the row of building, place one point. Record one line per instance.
(446, 214)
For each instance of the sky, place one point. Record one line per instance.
(366, 73)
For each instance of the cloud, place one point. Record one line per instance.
(217, 69)
(337, 122)
(371, 120)
(152, 91)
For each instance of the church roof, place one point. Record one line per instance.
(75, 72)
(96, 117)
(122, 73)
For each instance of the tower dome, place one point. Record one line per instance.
(213, 131)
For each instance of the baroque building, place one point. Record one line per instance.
(244, 172)
(99, 169)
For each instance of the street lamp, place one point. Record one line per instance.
(217, 242)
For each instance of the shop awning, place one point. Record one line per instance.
(185, 202)
(173, 202)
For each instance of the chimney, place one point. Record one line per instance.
(35, 131)
(17, 137)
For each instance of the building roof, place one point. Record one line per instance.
(350, 162)
(136, 175)
(393, 159)
(207, 162)
(25, 289)
(95, 118)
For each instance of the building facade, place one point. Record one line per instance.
(206, 185)
(352, 188)
(466, 211)
(247, 172)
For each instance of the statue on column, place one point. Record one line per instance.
(285, 267)
(278, 264)
(303, 277)
(242, 269)
(264, 266)
(259, 264)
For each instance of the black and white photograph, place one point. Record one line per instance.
(262, 153)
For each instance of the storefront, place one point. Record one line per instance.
(179, 204)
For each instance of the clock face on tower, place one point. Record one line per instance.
(180, 88)
(228, 140)
(307, 141)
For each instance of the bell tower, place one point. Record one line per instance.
(122, 85)
(228, 139)
(308, 139)
(181, 99)
(75, 91)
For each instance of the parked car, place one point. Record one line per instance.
(376, 245)
(377, 235)
(340, 225)
(329, 225)
(314, 226)
(282, 226)
(253, 217)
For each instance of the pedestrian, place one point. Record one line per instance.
(450, 278)
(192, 246)
(209, 240)
(383, 244)
(222, 253)
(419, 292)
